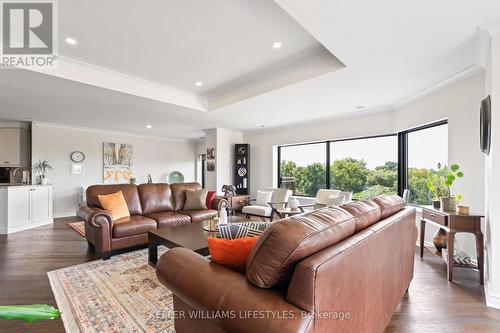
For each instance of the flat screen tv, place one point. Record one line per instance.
(485, 123)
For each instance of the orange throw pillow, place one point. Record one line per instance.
(232, 253)
(116, 204)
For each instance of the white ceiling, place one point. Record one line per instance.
(391, 49)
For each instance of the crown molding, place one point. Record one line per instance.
(78, 71)
(440, 85)
(112, 132)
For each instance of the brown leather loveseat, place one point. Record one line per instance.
(341, 269)
(151, 206)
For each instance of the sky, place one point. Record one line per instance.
(426, 148)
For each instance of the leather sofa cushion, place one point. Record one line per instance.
(156, 198)
(169, 219)
(134, 225)
(199, 215)
(389, 204)
(179, 192)
(129, 193)
(366, 213)
(288, 241)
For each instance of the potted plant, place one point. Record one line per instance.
(41, 168)
(440, 183)
(436, 185)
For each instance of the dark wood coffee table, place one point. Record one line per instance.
(190, 236)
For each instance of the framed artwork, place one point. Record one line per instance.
(210, 159)
(117, 163)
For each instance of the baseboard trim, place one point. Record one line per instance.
(11, 230)
(492, 300)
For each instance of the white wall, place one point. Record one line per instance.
(459, 103)
(223, 140)
(154, 156)
(492, 183)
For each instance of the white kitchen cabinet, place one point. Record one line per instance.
(14, 147)
(25, 207)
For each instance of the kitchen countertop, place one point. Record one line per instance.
(21, 185)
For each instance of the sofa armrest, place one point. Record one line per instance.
(218, 203)
(208, 287)
(98, 226)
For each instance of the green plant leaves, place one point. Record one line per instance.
(451, 177)
(455, 167)
(459, 197)
(460, 174)
(448, 182)
(29, 313)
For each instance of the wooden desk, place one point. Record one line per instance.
(454, 223)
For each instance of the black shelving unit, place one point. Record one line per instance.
(242, 168)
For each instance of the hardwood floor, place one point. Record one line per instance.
(431, 305)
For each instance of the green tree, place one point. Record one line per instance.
(386, 176)
(417, 182)
(349, 174)
(373, 191)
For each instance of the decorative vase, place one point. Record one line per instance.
(449, 204)
(436, 204)
(223, 216)
(44, 180)
(293, 203)
(440, 240)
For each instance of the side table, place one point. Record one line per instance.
(235, 203)
(453, 223)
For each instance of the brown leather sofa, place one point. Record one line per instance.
(151, 206)
(342, 269)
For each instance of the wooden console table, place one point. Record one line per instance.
(452, 222)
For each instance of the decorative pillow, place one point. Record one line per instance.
(196, 200)
(232, 253)
(240, 230)
(210, 198)
(115, 203)
(264, 197)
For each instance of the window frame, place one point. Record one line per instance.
(402, 153)
(327, 153)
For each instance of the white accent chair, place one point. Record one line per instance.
(323, 198)
(346, 195)
(267, 202)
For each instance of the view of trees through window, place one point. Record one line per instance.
(367, 167)
(427, 148)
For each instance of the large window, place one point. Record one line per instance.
(367, 167)
(303, 168)
(427, 152)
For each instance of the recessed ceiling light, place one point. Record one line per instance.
(277, 45)
(263, 126)
(149, 126)
(360, 107)
(70, 41)
(198, 83)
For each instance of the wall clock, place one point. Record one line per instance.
(77, 156)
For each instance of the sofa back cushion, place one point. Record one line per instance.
(179, 192)
(366, 213)
(156, 198)
(129, 192)
(288, 241)
(389, 204)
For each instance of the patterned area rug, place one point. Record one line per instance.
(121, 294)
(79, 227)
